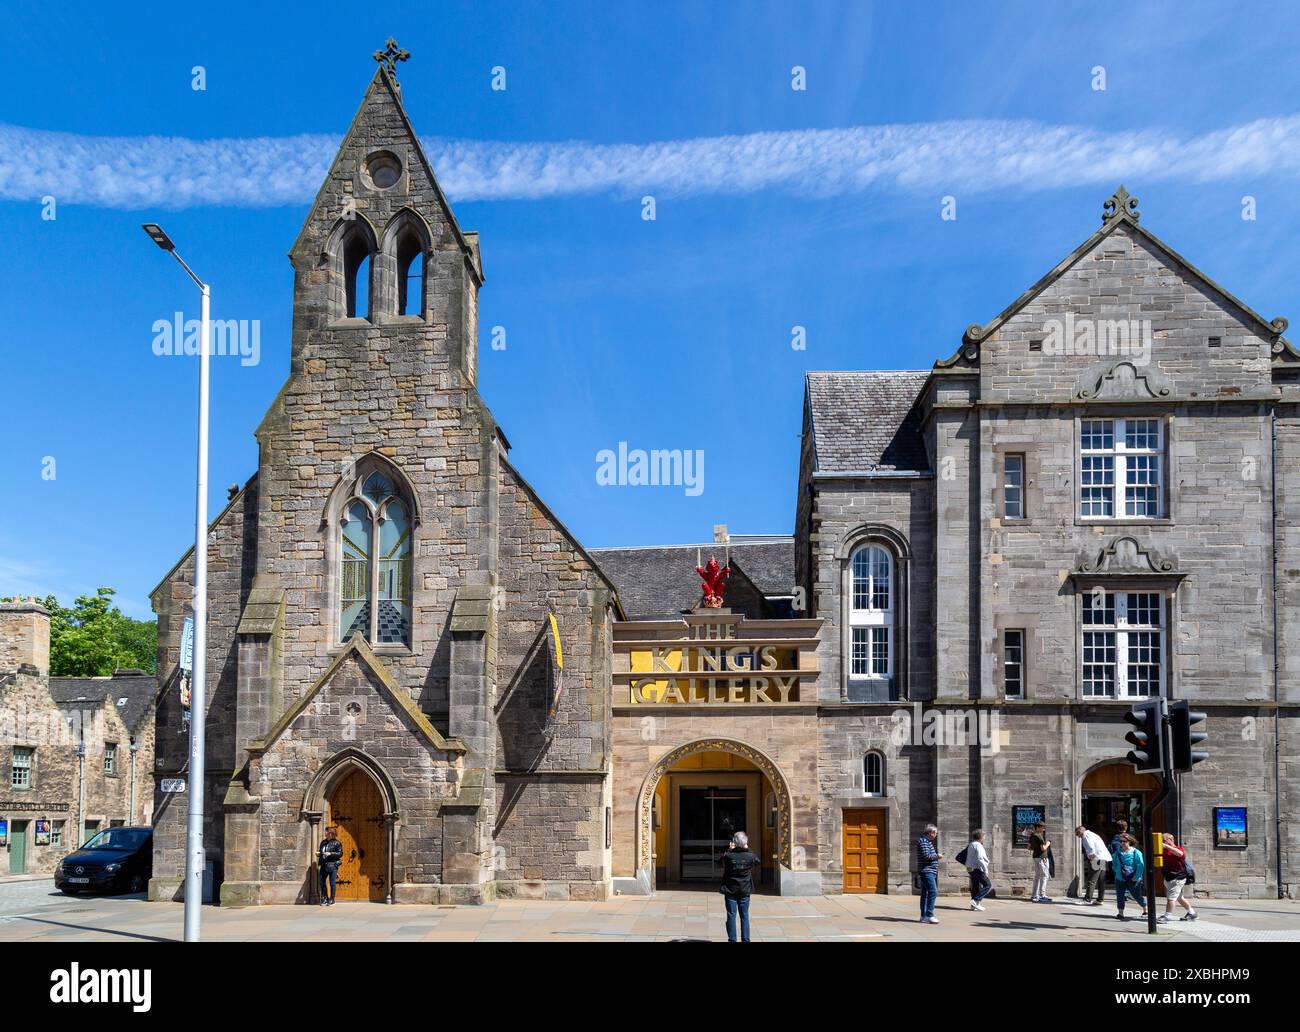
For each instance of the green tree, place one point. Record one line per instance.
(94, 637)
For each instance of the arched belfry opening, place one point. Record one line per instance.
(405, 248)
(349, 255)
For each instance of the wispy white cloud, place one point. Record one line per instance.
(955, 156)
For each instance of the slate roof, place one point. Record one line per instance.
(867, 421)
(659, 582)
(137, 689)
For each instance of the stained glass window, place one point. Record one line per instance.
(357, 533)
(376, 552)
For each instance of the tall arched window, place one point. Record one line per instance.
(356, 276)
(873, 774)
(406, 242)
(410, 277)
(375, 562)
(871, 614)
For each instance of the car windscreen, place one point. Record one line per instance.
(125, 839)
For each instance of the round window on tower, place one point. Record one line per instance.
(383, 170)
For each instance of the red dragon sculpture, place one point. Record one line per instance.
(715, 582)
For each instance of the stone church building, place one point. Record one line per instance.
(1094, 500)
(382, 590)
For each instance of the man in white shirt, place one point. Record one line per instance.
(1095, 858)
(977, 866)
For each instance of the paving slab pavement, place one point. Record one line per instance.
(665, 917)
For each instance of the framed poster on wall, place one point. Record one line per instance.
(1230, 827)
(1023, 819)
(4, 832)
(42, 833)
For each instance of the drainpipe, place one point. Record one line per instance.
(130, 809)
(1277, 690)
(81, 791)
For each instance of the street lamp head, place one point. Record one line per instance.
(158, 236)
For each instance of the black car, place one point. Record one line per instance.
(115, 860)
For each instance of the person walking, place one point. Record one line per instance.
(738, 865)
(1117, 840)
(927, 868)
(977, 866)
(1040, 847)
(1178, 875)
(1129, 870)
(328, 858)
(1095, 858)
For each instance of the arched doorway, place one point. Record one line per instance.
(356, 811)
(699, 794)
(1114, 791)
(354, 793)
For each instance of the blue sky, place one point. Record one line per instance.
(666, 334)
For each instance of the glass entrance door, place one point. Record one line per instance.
(709, 817)
(1100, 812)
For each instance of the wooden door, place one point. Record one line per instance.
(357, 811)
(864, 851)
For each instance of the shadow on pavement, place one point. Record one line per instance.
(97, 928)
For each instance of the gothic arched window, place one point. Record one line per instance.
(349, 256)
(406, 242)
(374, 530)
(356, 277)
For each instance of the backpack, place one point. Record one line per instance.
(1191, 871)
(961, 857)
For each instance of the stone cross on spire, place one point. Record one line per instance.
(390, 55)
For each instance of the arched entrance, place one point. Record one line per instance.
(354, 794)
(356, 811)
(1114, 791)
(695, 797)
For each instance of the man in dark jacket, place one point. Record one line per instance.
(738, 866)
(927, 869)
(328, 858)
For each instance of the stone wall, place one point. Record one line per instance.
(550, 824)
(231, 559)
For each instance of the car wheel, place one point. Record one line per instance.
(136, 884)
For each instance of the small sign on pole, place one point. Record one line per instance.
(187, 645)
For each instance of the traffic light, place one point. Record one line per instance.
(1182, 718)
(1147, 737)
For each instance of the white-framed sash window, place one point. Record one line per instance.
(1123, 644)
(1121, 468)
(871, 614)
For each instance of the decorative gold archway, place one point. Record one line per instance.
(645, 801)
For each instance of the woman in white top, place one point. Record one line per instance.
(977, 866)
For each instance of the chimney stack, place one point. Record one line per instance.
(24, 637)
(720, 535)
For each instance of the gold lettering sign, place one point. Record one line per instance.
(716, 674)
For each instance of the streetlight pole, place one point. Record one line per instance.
(194, 855)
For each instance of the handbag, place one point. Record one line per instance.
(1191, 872)
(961, 857)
